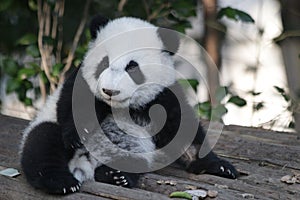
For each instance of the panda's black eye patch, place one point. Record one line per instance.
(102, 66)
(135, 72)
(132, 65)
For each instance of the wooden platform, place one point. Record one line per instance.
(263, 156)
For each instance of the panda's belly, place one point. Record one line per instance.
(121, 139)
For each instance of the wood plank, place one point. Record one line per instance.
(149, 182)
(16, 188)
(119, 193)
(265, 155)
(260, 191)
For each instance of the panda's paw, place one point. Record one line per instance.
(108, 175)
(118, 178)
(61, 184)
(71, 188)
(71, 142)
(217, 167)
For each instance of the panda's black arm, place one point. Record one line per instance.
(70, 136)
(179, 113)
(66, 106)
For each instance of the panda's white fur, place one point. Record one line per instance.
(46, 114)
(126, 39)
(120, 41)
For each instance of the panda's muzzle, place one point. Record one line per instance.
(110, 92)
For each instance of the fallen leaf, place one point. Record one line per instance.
(197, 193)
(248, 196)
(10, 172)
(212, 193)
(221, 186)
(191, 187)
(184, 195)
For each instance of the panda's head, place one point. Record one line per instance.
(129, 61)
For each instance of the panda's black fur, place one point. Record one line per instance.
(50, 146)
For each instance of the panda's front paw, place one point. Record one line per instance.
(72, 142)
(216, 167)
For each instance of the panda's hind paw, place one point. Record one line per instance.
(217, 167)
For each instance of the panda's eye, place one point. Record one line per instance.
(102, 66)
(135, 72)
(131, 66)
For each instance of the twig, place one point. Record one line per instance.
(121, 5)
(45, 67)
(156, 12)
(42, 88)
(55, 20)
(146, 6)
(75, 41)
(60, 31)
(287, 34)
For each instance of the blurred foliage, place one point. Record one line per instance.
(20, 22)
(223, 96)
(235, 14)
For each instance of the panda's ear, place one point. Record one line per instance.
(170, 40)
(96, 24)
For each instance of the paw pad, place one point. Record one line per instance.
(118, 178)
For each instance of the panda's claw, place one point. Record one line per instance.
(222, 168)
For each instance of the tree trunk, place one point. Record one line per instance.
(212, 44)
(290, 46)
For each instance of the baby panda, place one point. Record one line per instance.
(111, 115)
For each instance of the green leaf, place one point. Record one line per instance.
(48, 40)
(218, 112)
(279, 89)
(56, 69)
(10, 67)
(204, 109)
(183, 195)
(21, 91)
(258, 106)
(253, 93)
(235, 14)
(282, 92)
(25, 73)
(12, 85)
(292, 125)
(34, 66)
(5, 4)
(237, 101)
(33, 50)
(43, 77)
(32, 5)
(77, 62)
(27, 39)
(27, 101)
(221, 93)
(186, 83)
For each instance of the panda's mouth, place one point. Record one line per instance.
(113, 100)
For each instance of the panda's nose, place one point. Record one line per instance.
(111, 92)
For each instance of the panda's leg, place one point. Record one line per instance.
(210, 163)
(45, 160)
(109, 175)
